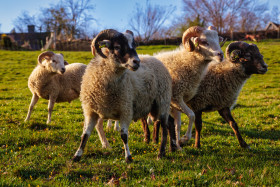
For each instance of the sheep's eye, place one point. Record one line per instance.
(117, 47)
(54, 61)
(204, 43)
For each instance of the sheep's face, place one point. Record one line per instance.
(123, 49)
(251, 60)
(53, 62)
(209, 44)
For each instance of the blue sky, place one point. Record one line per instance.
(109, 13)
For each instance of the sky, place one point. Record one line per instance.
(108, 13)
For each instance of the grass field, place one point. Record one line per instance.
(37, 154)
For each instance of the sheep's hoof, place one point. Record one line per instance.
(174, 147)
(128, 159)
(246, 146)
(183, 141)
(147, 141)
(76, 158)
(160, 155)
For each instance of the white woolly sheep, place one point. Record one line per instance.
(187, 66)
(219, 89)
(113, 89)
(53, 79)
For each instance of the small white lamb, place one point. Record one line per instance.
(53, 79)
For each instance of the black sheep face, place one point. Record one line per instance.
(251, 59)
(123, 48)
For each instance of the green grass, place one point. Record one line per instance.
(38, 154)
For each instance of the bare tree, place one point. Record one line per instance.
(253, 17)
(227, 15)
(149, 20)
(275, 14)
(67, 19)
(23, 20)
(78, 15)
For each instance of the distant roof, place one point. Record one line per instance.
(272, 26)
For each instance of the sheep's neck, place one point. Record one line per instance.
(43, 77)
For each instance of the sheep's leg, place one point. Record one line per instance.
(90, 122)
(177, 121)
(156, 131)
(198, 127)
(181, 106)
(50, 109)
(146, 130)
(149, 120)
(124, 137)
(171, 131)
(34, 100)
(163, 122)
(109, 124)
(101, 134)
(116, 126)
(226, 114)
(172, 134)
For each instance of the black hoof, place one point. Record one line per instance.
(246, 147)
(173, 148)
(76, 158)
(128, 159)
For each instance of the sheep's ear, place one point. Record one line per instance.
(104, 43)
(235, 55)
(189, 45)
(129, 32)
(61, 54)
(66, 63)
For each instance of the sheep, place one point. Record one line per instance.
(187, 66)
(53, 79)
(116, 86)
(219, 89)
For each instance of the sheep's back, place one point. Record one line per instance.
(186, 70)
(219, 88)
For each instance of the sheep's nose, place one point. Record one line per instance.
(62, 70)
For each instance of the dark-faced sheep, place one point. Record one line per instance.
(117, 86)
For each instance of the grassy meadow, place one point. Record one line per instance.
(35, 154)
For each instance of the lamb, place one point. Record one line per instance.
(222, 84)
(53, 79)
(116, 86)
(187, 66)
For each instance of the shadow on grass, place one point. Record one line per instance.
(246, 106)
(32, 173)
(42, 126)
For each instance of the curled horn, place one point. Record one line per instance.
(235, 45)
(194, 31)
(42, 55)
(212, 28)
(105, 34)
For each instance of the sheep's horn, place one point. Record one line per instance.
(191, 32)
(42, 55)
(105, 34)
(212, 28)
(235, 45)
